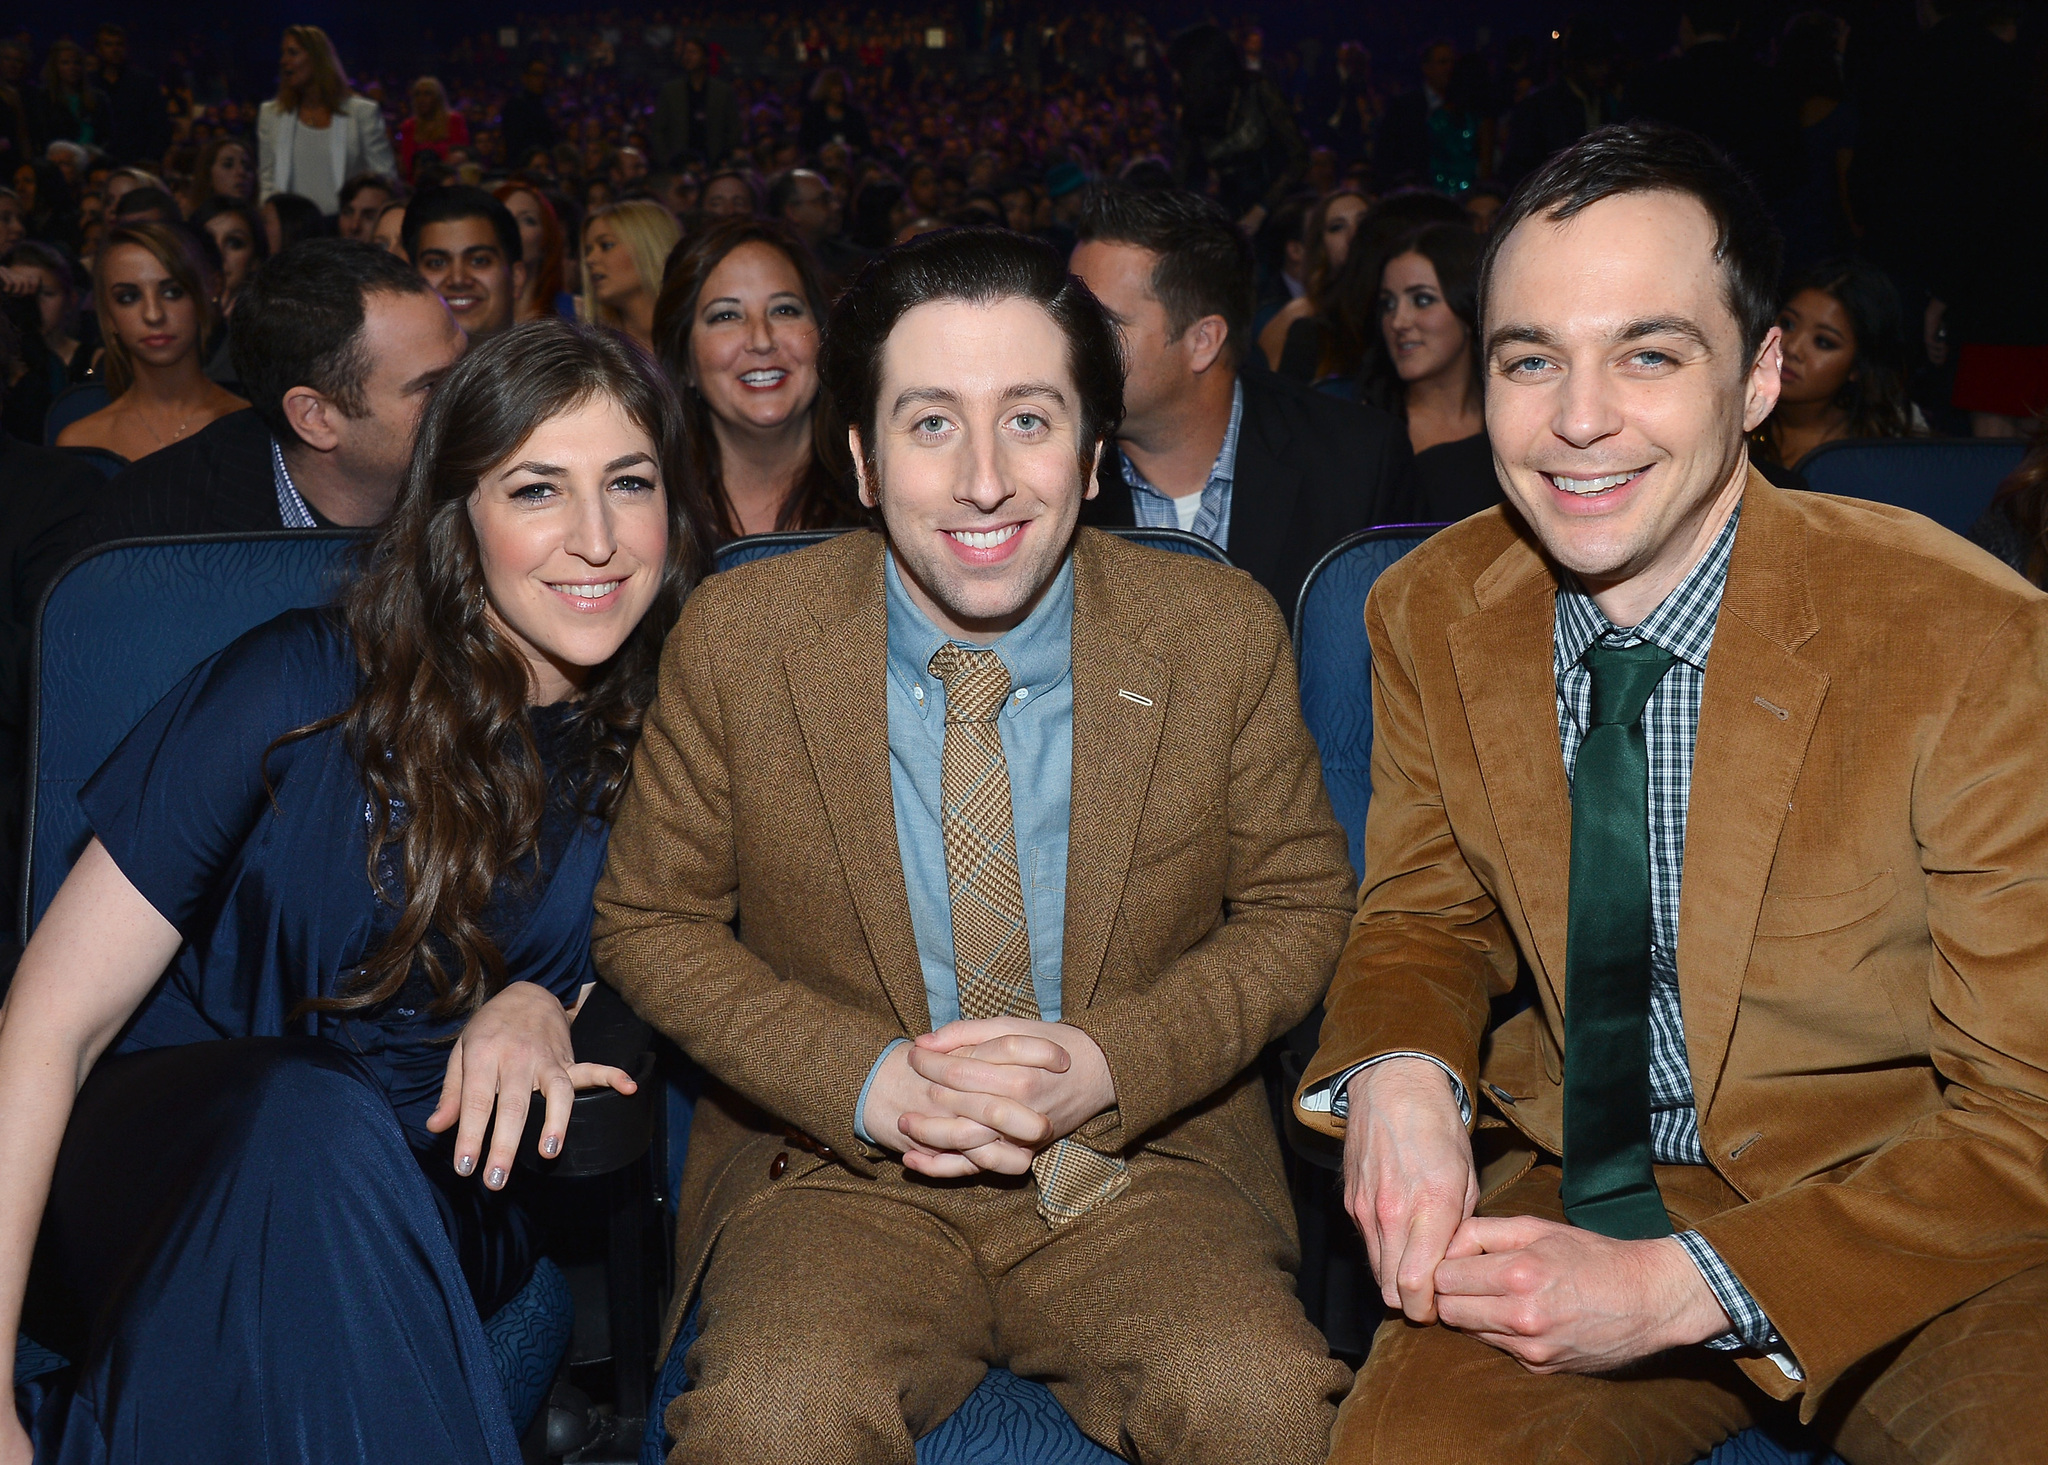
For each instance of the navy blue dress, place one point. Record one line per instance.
(253, 1249)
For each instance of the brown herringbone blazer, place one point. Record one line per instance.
(1863, 936)
(754, 906)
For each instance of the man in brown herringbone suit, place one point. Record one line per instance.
(1751, 787)
(1046, 793)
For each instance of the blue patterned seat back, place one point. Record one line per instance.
(1335, 660)
(734, 553)
(76, 402)
(528, 1337)
(116, 632)
(1950, 480)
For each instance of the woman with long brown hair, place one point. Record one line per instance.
(318, 131)
(543, 246)
(158, 310)
(737, 327)
(336, 905)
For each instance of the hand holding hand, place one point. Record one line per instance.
(1052, 1068)
(943, 1132)
(1408, 1177)
(1562, 1300)
(517, 1042)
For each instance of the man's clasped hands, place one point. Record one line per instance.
(1557, 1298)
(986, 1095)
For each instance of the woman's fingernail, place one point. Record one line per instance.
(464, 1164)
(497, 1177)
(550, 1145)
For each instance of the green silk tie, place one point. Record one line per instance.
(1609, 1186)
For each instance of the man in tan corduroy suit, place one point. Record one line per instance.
(1750, 787)
(1076, 1176)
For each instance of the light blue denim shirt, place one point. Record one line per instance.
(1037, 728)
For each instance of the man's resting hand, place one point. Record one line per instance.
(1408, 1177)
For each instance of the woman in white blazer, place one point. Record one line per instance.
(317, 133)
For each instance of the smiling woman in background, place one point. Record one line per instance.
(737, 327)
(157, 310)
(1423, 366)
(625, 246)
(1844, 368)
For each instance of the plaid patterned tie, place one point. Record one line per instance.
(991, 941)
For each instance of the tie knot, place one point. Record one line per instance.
(1623, 679)
(976, 682)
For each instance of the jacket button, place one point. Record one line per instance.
(777, 1165)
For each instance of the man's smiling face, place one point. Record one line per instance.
(1619, 388)
(977, 462)
(466, 264)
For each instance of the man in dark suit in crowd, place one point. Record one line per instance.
(1274, 474)
(1552, 118)
(528, 127)
(1716, 88)
(802, 199)
(697, 116)
(1401, 152)
(135, 103)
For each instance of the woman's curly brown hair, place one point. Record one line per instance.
(439, 726)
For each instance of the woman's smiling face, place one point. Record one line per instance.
(754, 341)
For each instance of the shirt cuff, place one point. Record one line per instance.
(1751, 1330)
(860, 1105)
(1333, 1096)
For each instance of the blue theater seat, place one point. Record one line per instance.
(1950, 480)
(1336, 701)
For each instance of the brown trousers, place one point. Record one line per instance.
(1970, 1388)
(842, 1319)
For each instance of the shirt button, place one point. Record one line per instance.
(917, 692)
(1022, 693)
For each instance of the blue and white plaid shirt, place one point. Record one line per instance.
(1683, 624)
(1151, 509)
(291, 504)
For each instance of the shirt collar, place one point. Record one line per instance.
(1038, 651)
(292, 508)
(1683, 623)
(1222, 471)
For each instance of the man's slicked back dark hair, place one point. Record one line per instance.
(299, 323)
(1653, 157)
(979, 266)
(451, 204)
(1205, 262)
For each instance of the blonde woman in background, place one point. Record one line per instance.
(155, 297)
(432, 127)
(317, 133)
(625, 249)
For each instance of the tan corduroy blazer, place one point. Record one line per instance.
(1863, 935)
(754, 906)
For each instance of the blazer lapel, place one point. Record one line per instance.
(838, 684)
(287, 141)
(1120, 699)
(1504, 659)
(1757, 715)
(1263, 490)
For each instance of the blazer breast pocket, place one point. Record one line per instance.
(1789, 916)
